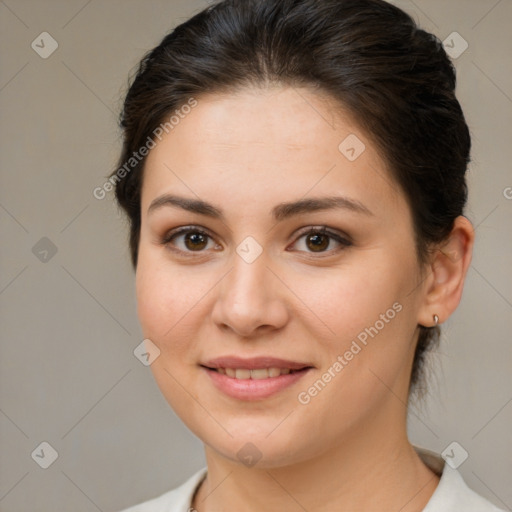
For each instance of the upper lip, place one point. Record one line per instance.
(254, 363)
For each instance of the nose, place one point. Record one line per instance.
(251, 301)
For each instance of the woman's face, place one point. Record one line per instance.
(273, 240)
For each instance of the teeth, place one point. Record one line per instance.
(243, 374)
(257, 374)
(274, 372)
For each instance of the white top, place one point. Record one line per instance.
(451, 495)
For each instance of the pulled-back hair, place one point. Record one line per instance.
(394, 79)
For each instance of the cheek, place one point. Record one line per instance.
(351, 298)
(371, 322)
(155, 304)
(162, 299)
(172, 304)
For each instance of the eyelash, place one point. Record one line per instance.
(172, 235)
(323, 230)
(169, 237)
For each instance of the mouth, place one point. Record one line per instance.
(256, 378)
(256, 374)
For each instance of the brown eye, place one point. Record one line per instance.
(317, 242)
(195, 241)
(320, 240)
(189, 239)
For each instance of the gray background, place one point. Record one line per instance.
(68, 375)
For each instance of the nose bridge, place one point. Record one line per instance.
(247, 284)
(248, 298)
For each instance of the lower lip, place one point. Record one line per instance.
(254, 389)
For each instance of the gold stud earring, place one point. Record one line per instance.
(436, 320)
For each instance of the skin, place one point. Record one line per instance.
(246, 153)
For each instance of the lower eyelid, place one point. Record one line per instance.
(344, 242)
(173, 234)
(170, 241)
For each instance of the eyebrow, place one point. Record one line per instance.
(286, 210)
(280, 212)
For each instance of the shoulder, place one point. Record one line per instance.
(177, 500)
(452, 494)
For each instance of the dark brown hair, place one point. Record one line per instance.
(392, 77)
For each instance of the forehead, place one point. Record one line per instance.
(266, 144)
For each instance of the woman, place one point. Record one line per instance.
(294, 176)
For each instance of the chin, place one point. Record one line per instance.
(259, 452)
(264, 442)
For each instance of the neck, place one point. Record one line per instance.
(381, 461)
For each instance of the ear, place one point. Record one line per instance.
(446, 274)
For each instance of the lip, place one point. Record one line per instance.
(254, 363)
(254, 389)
